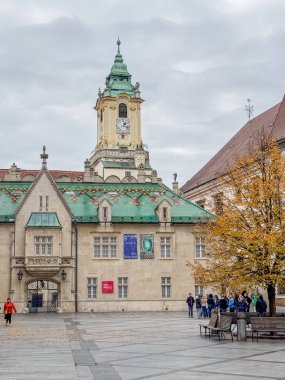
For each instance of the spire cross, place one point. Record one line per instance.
(44, 156)
(249, 109)
(119, 43)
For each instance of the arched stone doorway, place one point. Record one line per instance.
(42, 296)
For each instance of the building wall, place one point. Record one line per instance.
(6, 250)
(24, 243)
(144, 275)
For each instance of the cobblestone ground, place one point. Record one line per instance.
(129, 346)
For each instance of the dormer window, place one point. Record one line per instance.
(164, 213)
(105, 213)
(123, 112)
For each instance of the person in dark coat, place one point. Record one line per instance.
(190, 301)
(223, 304)
(211, 304)
(261, 306)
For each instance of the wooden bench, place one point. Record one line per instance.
(267, 324)
(224, 326)
(212, 323)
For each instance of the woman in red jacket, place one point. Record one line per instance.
(9, 307)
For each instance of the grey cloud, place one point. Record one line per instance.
(197, 62)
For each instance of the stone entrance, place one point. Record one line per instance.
(43, 296)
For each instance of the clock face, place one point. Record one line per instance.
(123, 126)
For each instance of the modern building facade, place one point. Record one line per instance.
(109, 238)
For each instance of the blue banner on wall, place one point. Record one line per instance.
(130, 246)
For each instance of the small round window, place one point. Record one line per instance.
(123, 110)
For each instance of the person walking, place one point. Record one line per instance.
(190, 301)
(9, 307)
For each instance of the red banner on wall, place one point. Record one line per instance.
(107, 286)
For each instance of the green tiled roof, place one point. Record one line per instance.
(44, 219)
(119, 77)
(131, 203)
(11, 195)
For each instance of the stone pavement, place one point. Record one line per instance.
(129, 346)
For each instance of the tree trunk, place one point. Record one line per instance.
(271, 299)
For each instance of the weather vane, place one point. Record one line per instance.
(249, 109)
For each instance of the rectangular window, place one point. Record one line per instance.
(166, 287)
(199, 290)
(164, 213)
(43, 245)
(113, 246)
(105, 247)
(41, 202)
(105, 212)
(123, 287)
(46, 202)
(200, 248)
(165, 247)
(92, 287)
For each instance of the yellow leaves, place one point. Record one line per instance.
(247, 241)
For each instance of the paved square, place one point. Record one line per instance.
(128, 346)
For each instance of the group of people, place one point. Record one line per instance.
(233, 302)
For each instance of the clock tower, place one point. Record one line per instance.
(119, 155)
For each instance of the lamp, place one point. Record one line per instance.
(20, 275)
(63, 275)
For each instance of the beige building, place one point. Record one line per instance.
(109, 238)
(204, 187)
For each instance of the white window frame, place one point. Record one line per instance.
(122, 287)
(166, 287)
(199, 289)
(105, 247)
(165, 247)
(200, 248)
(43, 245)
(43, 198)
(91, 287)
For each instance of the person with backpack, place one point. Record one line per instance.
(261, 306)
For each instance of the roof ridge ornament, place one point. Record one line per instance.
(44, 156)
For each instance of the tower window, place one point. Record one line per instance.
(123, 110)
(101, 116)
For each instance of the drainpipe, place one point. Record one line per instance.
(76, 268)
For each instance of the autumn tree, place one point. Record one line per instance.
(246, 241)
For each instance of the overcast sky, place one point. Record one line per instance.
(198, 61)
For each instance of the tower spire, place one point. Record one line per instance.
(119, 43)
